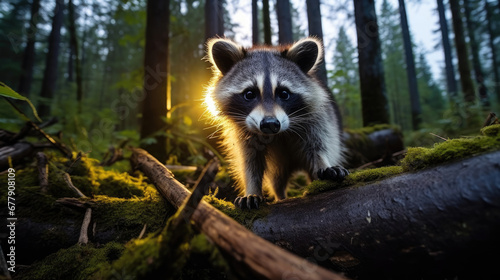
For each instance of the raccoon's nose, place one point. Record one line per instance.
(270, 125)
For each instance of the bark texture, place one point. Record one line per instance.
(375, 107)
(438, 223)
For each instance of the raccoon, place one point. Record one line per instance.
(275, 116)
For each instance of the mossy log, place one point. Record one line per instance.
(370, 144)
(254, 256)
(441, 222)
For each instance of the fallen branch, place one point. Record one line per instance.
(253, 255)
(84, 238)
(16, 152)
(70, 185)
(436, 223)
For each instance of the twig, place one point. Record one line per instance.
(84, 238)
(68, 181)
(143, 231)
(56, 144)
(75, 202)
(490, 119)
(380, 160)
(206, 177)
(116, 155)
(440, 137)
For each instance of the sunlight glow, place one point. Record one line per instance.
(209, 102)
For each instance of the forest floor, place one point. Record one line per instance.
(128, 233)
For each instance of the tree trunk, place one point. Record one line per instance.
(439, 223)
(285, 34)
(50, 73)
(211, 19)
(463, 57)
(255, 23)
(70, 63)
(220, 18)
(371, 71)
(478, 71)
(154, 107)
(74, 47)
(491, 41)
(451, 82)
(416, 110)
(316, 30)
(29, 52)
(267, 22)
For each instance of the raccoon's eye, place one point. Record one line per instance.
(283, 94)
(249, 95)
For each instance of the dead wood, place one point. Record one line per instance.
(70, 185)
(75, 203)
(114, 154)
(51, 140)
(15, 152)
(372, 147)
(253, 255)
(84, 238)
(438, 223)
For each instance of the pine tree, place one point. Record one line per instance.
(474, 47)
(345, 81)
(410, 69)
(394, 57)
(451, 82)
(433, 104)
(462, 53)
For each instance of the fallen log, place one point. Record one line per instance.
(253, 255)
(443, 222)
(372, 144)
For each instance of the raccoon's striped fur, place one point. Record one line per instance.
(276, 118)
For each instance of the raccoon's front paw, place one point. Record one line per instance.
(335, 173)
(251, 201)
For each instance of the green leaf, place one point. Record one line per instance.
(6, 91)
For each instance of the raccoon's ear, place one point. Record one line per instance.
(223, 54)
(306, 53)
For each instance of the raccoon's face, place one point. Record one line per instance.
(264, 91)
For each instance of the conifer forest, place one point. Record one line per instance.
(113, 114)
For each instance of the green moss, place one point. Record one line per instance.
(354, 179)
(244, 217)
(370, 129)
(492, 130)
(76, 262)
(420, 158)
(126, 217)
(175, 253)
